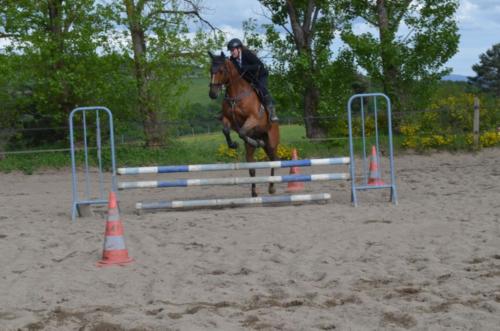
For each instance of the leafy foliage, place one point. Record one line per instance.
(308, 76)
(52, 64)
(488, 71)
(162, 53)
(63, 54)
(415, 39)
(448, 121)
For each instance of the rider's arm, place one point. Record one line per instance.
(252, 62)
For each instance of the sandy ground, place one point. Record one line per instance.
(430, 263)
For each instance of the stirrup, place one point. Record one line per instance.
(272, 116)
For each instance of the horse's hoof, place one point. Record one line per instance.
(233, 145)
(272, 190)
(254, 194)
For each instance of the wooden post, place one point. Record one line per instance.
(475, 125)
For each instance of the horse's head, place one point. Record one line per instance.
(218, 74)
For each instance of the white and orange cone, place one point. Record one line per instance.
(295, 186)
(114, 251)
(374, 179)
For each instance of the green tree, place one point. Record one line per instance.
(306, 72)
(405, 63)
(51, 59)
(162, 54)
(488, 71)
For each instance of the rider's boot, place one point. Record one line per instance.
(270, 108)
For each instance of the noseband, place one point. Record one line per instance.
(231, 100)
(218, 85)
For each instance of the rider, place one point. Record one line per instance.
(253, 71)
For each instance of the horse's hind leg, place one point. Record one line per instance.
(272, 155)
(226, 130)
(271, 149)
(245, 131)
(250, 150)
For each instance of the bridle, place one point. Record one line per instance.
(232, 101)
(214, 71)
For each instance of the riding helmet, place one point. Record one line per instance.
(234, 43)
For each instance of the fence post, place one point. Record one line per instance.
(475, 125)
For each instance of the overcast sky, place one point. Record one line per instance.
(478, 20)
(479, 26)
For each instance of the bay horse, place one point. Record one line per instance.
(243, 112)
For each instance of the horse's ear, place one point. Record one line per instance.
(211, 55)
(222, 54)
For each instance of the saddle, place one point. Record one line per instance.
(262, 107)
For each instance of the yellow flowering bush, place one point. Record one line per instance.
(410, 142)
(448, 123)
(369, 125)
(440, 140)
(469, 139)
(284, 153)
(457, 111)
(409, 131)
(413, 138)
(489, 138)
(226, 153)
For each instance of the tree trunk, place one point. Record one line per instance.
(311, 120)
(64, 99)
(153, 132)
(302, 34)
(390, 71)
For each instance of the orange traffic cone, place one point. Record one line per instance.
(295, 186)
(374, 178)
(114, 245)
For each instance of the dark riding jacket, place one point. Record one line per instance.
(252, 68)
(253, 71)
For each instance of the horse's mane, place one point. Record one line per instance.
(233, 68)
(222, 59)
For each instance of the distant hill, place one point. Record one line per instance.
(455, 78)
(197, 91)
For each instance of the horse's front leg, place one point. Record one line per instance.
(226, 130)
(250, 150)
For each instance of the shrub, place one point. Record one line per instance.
(490, 138)
(227, 154)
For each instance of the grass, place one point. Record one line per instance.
(200, 148)
(197, 91)
(292, 136)
(289, 133)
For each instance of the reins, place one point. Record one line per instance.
(233, 101)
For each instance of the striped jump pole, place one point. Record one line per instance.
(233, 166)
(179, 204)
(232, 181)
